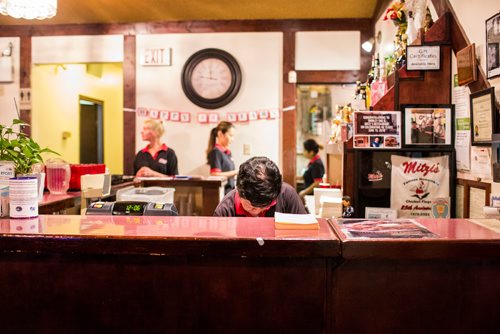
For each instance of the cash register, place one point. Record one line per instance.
(131, 208)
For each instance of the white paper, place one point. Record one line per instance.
(477, 199)
(481, 162)
(289, 218)
(462, 149)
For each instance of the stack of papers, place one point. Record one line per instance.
(288, 221)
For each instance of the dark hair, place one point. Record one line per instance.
(311, 145)
(259, 181)
(222, 126)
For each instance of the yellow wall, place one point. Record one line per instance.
(55, 108)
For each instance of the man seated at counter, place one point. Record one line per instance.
(156, 159)
(260, 192)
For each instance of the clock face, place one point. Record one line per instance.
(211, 78)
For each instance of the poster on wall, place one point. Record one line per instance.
(493, 46)
(460, 99)
(377, 129)
(416, 182)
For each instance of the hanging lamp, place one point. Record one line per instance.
(29, 9)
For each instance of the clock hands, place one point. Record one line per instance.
(209, 78)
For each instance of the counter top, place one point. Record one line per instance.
(196, 236)
(448, 238)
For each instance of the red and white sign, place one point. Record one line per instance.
(415, 182)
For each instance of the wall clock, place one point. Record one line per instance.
(211, 78)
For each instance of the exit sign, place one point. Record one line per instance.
(156, 57)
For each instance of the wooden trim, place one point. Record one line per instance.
(25, 79)
(188, 27)
(129, 103)
(328, 77)
(289, 122)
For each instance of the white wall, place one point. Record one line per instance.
(472, 16)
(260, 58)
(10, 90)
(77, 49)
(327, 50)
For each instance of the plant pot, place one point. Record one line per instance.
(23, 197)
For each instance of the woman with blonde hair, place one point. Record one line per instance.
(218, 154)
(156, 159)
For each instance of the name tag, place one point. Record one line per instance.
(162, 161)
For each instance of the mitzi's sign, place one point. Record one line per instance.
(416, 182)
(412, 167)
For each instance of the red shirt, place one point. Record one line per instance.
(240, 211)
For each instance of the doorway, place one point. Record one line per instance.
(316, 107)
(91, 131)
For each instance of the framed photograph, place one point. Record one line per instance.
(377, 129)
(423, 57)
(483, 116)
(428, 125)
(493, 46)
(466, 65)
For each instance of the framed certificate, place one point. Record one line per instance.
(493, 46)
(484, 118)
(466, 65)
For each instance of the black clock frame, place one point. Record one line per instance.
(225, 98)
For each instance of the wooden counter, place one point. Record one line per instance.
(446, 284)
(163, 274)
(232, 275)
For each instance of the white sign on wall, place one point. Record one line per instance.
(156, 57)
(423, 57)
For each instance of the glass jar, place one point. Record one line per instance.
(58, 175)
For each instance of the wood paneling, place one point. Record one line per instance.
(129, 103)
(289, 122)
(189, 27)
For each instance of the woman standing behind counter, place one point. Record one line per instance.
(156, 159)
(315, 169)
(218, 154)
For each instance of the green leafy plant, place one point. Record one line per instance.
(19, 148)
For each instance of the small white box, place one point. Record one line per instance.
(325, 192)
(147, 194)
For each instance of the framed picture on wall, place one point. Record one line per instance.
(428, 125)
(466, 65)
(483, 115)
(493, 46)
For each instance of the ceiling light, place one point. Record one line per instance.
(368, 45)
(29, 9)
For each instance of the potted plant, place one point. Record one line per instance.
(25, 155)
(22, 150)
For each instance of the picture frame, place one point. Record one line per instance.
(483, 116)
(377, 129)
(492, 25)
(423, 58)
(428, 125)
(466, 65)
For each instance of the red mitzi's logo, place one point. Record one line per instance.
(415, 167)
(421, 190)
